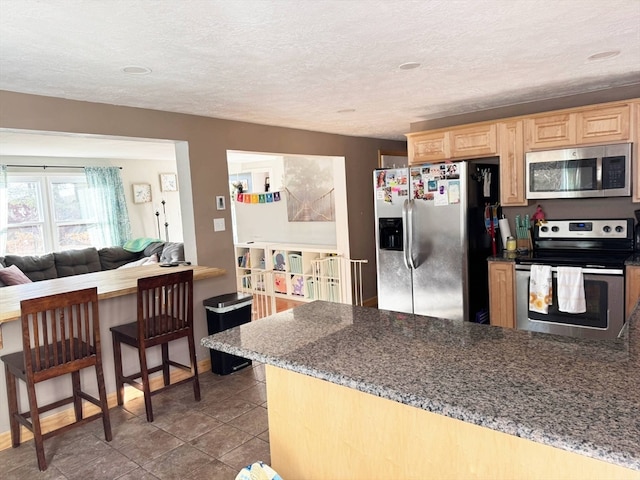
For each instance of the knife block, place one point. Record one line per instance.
(524, 241)
(522, 244)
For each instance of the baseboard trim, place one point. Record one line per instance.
(66, 416)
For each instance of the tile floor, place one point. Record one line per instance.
(211, 439)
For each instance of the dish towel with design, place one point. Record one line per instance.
(258, 471)
(540, 288)
(571, 290)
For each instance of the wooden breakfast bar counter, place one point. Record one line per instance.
(110, 283)
(117, 305)
(358, 392)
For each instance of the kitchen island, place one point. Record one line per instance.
(358, 392)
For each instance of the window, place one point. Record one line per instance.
(48, 213)
(25, 232)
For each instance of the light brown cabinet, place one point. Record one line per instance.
(502, 304)
(510, 138)
(453, 144)
(550, 131)
(512, 169)
(603, 125)
(579, 127)
(428, 147)
(632, 288)
(476, 141)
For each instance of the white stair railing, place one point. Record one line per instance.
(337, 279)
(355, 268)
(260, 285)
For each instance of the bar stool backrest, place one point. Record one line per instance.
(165, 305)
(61, 331)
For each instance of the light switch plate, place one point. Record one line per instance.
(218, 225)
(220, 202)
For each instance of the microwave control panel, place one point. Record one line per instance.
(613, 173)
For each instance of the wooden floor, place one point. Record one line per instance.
(286, 304)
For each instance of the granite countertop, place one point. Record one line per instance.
(578, 395)
(633, 260)
(505, 256)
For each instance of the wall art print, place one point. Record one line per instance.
(309, 189)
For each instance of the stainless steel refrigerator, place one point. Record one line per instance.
(424, 235)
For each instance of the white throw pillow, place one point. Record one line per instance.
(153, 259)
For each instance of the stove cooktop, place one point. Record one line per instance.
(593, 243)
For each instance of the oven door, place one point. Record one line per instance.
(604, 295)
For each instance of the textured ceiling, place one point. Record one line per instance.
(299, 63)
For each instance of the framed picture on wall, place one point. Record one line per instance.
(168, 182)
(141, 193)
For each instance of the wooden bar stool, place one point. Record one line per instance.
(60, 335)
(165, 313)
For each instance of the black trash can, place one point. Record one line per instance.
(224, 312)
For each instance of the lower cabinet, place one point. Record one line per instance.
(502, 300)
(632, 288)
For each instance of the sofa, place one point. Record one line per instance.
(16, 269)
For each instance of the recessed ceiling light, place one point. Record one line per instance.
(604, 55)
(136, 70)
(347, 110)
(408, 65)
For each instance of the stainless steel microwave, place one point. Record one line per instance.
(600, 171)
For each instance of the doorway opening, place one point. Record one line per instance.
(290, 226)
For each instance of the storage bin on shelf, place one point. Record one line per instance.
(310, 285)
(279, 283)
(295, 263)
(297, 285)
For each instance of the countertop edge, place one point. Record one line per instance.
(503, 425)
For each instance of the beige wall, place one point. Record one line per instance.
(208, 141)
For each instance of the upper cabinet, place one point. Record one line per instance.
(512, 174)
(453, 144)
(428, 147)
(476, 141)
(603, 124)
(550, 131)
(511, 138)
(579, 127)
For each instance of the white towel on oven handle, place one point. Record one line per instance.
(540, 291)
(571, 297)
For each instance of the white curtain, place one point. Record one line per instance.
(4, 209)
(107, 194)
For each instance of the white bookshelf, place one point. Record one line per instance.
(298, 272)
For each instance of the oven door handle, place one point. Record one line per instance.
(585, 270)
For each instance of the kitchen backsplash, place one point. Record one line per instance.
(620, 207)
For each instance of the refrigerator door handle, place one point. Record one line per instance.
(409, 254)
(405, 233)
